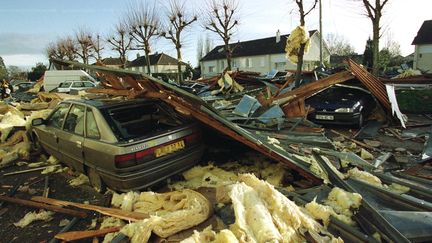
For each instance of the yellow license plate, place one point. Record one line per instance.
(170, 148)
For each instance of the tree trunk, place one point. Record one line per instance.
(228, 56)
(147, 56)
(375, 47)
(299, 65)
(179, 71)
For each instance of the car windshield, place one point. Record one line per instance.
(65, 85)
(130, 122)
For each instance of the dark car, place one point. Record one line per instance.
(126, 145)
(341, 104)
(24, 86)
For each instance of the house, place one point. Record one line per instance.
(423, 47)
(261, 55)
(113, 62)
(159, 63)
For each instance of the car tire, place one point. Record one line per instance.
(36, 145)
(360, 122)
(95, 180)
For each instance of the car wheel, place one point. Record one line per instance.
(95, 180)
(360, 121)
(36, 145)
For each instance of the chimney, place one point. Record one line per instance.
(277, 36)
(138, 55)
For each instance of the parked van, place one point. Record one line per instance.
(53, 78)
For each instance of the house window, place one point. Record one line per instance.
(211, 69)
(280, 66)
(234, 63)
(249, 62)
(420, 55)
(262, 62)
(243, 62)
(140, 69)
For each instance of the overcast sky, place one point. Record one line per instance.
(27, 26)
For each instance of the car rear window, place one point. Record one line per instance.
(131, 122)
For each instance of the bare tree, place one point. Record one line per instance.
(208, 45)
(144, 25)
(179, 19)
(69, 46)
(391, 44)
(338, 45)
(85, 44)
(98, 46)
(53, 50)
(222, 17)
(203, 47)
(374, 13)
(62, 48)
(200, 49)
(303, 13)
(121, 41)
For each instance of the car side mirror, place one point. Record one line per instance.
(38, 121)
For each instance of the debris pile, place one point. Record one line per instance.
(311, 183)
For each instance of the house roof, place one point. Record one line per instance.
(424, 35)
(155, 59)
(252, 48)
(112, 61)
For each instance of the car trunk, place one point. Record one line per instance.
(139, 121)
(149, 133)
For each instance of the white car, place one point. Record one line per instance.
(68, 86)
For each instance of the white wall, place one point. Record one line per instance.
(423, 57)
(266, 63)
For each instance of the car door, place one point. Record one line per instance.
(78, 85)
(72, 136)
(48, 133)
(97, 154)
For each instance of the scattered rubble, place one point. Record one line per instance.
(308, 184)
(33, 216)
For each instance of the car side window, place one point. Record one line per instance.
(92, 129)
(65, 85)
(77, 84)
(75, 120)
(88, 84)
(57, 118)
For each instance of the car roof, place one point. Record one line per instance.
(106, 103)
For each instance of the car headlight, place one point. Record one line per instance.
(344, 110)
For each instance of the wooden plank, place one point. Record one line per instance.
(25, 171)
(310, 88)
(79, 235)
(114, 212)
(355, 141)
(295, 108)
(33, 204)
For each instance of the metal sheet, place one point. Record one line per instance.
(416, 226)
(247, 106)
(427, 151)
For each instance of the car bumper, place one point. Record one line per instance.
(339, 118)
(147, 177)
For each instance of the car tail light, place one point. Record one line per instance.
(128, 160)
(125, 160)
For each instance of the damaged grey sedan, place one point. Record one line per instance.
(125, 145)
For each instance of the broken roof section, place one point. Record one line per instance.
(135, 84)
